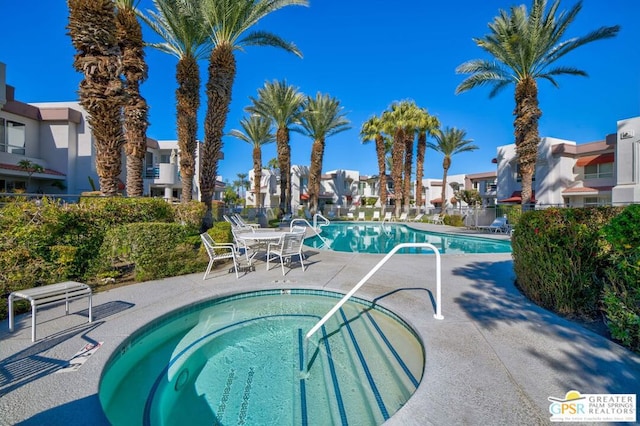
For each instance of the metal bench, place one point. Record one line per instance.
(49, 294)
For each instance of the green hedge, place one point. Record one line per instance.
(557, 257)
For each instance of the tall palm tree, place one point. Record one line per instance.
(134, 67)
(281, 103)
(228, 22)
(525, 47)
(399, 121)
(256, 131)
(372, 129)
(449, 142)
(244, 184)
(92, 30)
(180, 24)
(321, 117)
(426, 124)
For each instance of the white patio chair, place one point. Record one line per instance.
(418, 218)
(360, 215)
(220, 251)
(387, 217)
(376, 215)
(437, 219)
(500, 224)
(290, 245)
(244, 224)
(249, 248)
(403, 217)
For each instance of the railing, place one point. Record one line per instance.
(437, 315)
(315, 220)
(306, 222)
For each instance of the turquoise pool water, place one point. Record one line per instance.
(241, 360)
(381, 238)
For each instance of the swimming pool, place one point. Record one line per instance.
(382, 238)
(241, 360)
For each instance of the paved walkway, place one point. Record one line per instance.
(493, 360)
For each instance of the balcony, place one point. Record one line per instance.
(163, 174)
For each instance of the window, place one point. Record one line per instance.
(165, 158)
(596, 171)
(12, 137)
(597, 201)
(361, 186)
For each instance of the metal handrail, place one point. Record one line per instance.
(437, 315)
(305, 221)
(315, 220)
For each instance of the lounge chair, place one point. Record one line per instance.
(360, 215)
(500, 224)
(350, 216)
(376, 215)
(219, 252)
(403, 217)
(240, 221)
(437, 219)
(418, 218)
(290, 245)
(387, 217)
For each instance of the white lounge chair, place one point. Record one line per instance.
(360, 215)
(500, 224)
(219, 252)
(418, 218)
(437, 219)
(240, 221)
(403, 217)
(387, 217)
(290, 245)
(376, 215)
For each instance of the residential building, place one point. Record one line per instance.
(56, 137)
(603, 172)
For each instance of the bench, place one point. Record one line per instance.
(46, 295)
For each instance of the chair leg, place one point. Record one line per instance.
(282, 264)
(301, 262)
(208, 269)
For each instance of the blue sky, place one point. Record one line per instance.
(367, 54)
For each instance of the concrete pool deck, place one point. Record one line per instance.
(494, 359)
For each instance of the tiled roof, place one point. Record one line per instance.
(20, 169)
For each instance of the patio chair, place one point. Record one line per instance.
(249, 248)
(376, 215)
(500, 224)
(220, 251)
(387, 217)
(240, 221)
(360, 215)
(436, 219)
(350, 216)
(418, 218)
(290, 245)
(403, 217)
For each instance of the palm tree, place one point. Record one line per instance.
(129, 35)
(244, 184)
(426, 124)
(321, 117)
(256, 131)
(228, 20)
(92, 30)
(180, 24)
(372, 129)
(525, 48)
(449, 142)
(281, 103)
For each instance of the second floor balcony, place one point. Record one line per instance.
(163, 174)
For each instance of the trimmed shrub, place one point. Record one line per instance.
(621, 300)
(556, 258)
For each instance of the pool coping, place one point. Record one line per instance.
(495, 358)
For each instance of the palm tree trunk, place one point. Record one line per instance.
(422, 146)
(188, 102)
(525, 125)
(135, 107)
(382, 170)
(446, 163)
(315, 172)
(92, 30)
(222, 71)
(284, 163)
(257, 174)
(396, 168)
(408, 165)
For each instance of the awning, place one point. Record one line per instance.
(20, 171)
(516, 197)
(591, 160)
(436, 201)
(304, 197)
(586, 190)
